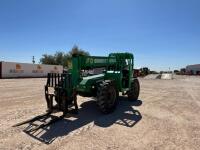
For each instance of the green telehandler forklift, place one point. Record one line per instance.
(116, 77)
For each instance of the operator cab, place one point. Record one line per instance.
(125, 66)
(126, 73)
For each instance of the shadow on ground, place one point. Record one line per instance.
(89, 114)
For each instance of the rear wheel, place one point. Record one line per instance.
(134, 91)
(107, 96)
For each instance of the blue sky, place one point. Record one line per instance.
(160, 33)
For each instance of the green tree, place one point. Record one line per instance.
(48, 59)
(77, 51)
(61, 58)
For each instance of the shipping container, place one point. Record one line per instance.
(16, 70)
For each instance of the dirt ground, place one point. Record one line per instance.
(166, 116)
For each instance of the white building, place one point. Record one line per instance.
(193, 69)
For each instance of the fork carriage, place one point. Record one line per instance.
(64, 95)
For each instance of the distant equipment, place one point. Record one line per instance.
(142, 72)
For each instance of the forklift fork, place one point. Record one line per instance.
(61, 83)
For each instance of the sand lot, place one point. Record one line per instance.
(166, 116)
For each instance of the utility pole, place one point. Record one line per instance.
(33, 60)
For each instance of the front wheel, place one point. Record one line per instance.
(134, 91)
(107, 96)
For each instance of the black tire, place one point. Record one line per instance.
(107, 97)
(134, 91)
